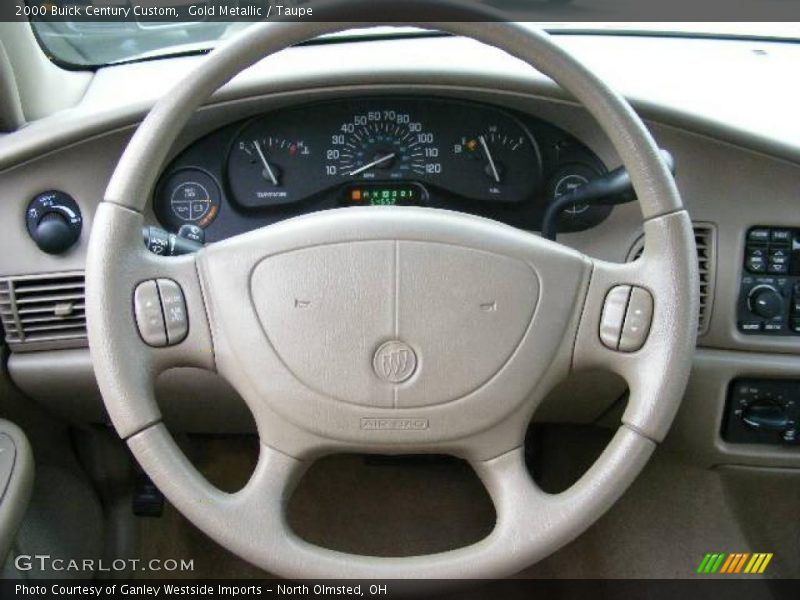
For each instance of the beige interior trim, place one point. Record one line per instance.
(11, 115)
(44, 88)
(18, 458)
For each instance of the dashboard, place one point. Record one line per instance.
(737, 170)
(419, 151)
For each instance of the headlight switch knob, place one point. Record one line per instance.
(54, 221)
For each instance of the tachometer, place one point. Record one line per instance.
(382, 145)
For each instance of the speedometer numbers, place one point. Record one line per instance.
(498, 161)
(382, 145)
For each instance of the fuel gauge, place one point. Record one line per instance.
(499, 163)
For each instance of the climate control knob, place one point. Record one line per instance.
(765, 301)
(766, 414)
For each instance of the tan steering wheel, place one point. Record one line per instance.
(361, 329)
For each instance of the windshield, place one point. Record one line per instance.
(90, 44)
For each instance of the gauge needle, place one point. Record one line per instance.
(489, 156)
(263, 158)
(374, 163)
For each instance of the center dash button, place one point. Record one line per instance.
(758, 235)
(781, 236)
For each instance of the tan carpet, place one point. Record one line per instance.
(672, 515)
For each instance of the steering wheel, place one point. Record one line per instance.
(391, 330)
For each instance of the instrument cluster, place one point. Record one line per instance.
(382, 151)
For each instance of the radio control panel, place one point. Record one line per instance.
(769, 296)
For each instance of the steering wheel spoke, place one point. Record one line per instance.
(153, 315)
(528, 517)
(639, 321)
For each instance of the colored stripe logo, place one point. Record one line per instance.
(733, 563)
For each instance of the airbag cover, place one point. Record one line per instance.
(458, 314)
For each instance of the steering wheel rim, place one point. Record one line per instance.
(530, 524)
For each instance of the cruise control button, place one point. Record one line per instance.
(174, 306)
(149, 318)
(614, 316)
(637, 320)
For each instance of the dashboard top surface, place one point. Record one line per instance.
(705, 85)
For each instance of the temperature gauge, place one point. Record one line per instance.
(261, 169)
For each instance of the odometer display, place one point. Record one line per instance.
(385, 144)
(387, 194)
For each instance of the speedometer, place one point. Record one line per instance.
(382, 145)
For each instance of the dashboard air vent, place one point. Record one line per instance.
(705, 236)
(43, 312)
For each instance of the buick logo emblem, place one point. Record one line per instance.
(394, 362)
